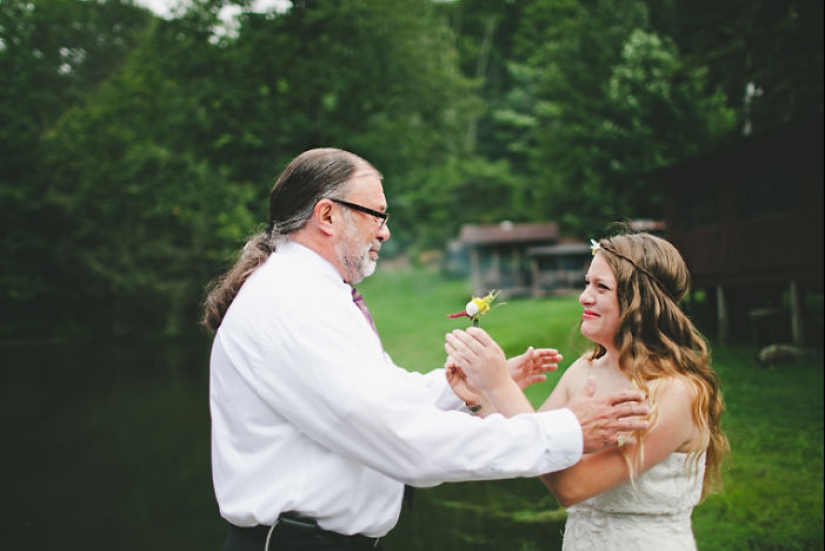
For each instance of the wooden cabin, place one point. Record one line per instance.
(748, 220)
(559, 268)
(497, 254)
(527, 259)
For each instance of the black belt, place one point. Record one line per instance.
(295, 530)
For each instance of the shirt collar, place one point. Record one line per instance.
(312, 261)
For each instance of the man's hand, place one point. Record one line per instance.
(460, 385)
(530, 368)
(609, 420)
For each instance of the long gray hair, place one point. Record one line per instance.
(312, 175)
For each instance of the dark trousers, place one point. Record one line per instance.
(288, 536)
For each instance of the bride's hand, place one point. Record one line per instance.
(480, 358)
(530, 368)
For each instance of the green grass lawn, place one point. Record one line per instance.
(773, 495)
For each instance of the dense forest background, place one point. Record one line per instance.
(137, 152)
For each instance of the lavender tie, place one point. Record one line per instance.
(359, 302)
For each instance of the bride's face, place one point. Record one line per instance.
(600, 318)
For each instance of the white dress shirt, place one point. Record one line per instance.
(310, 415)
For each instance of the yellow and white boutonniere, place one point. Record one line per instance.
(478, 307)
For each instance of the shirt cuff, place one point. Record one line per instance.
(446, 398)
(564, 437)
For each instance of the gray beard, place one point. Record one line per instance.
(355, 258)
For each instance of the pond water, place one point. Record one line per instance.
(106, 447)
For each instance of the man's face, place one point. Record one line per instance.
(357, 250)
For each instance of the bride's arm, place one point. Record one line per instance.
(598, 472)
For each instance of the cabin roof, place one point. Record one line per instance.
(508, 232)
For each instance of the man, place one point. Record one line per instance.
(315, 432)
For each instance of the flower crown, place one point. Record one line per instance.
(596, 246)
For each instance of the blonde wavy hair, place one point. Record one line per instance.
(657, 341)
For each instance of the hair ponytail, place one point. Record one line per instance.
(223, 290)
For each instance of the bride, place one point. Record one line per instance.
(640, 495)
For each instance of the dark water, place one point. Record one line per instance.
(106, 447)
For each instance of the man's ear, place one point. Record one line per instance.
(324, 216)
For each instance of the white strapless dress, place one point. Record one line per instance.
(652, 514)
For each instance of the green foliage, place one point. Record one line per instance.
(53, 54)
(137, 151)
(147, 187)
(774, 46)
(611, 102)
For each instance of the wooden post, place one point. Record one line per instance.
(797, 319)
(721, 315)
(516, 268)
(496, 269)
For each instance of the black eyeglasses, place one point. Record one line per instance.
(381, 216)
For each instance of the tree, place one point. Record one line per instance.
(53, 53)
(165, 167)
(607, 100)
(766, 56)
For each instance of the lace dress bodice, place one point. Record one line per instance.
(653, 513)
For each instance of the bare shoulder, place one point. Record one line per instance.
(675, 400)
(572, 381)
(579, 369)
(678, 390)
